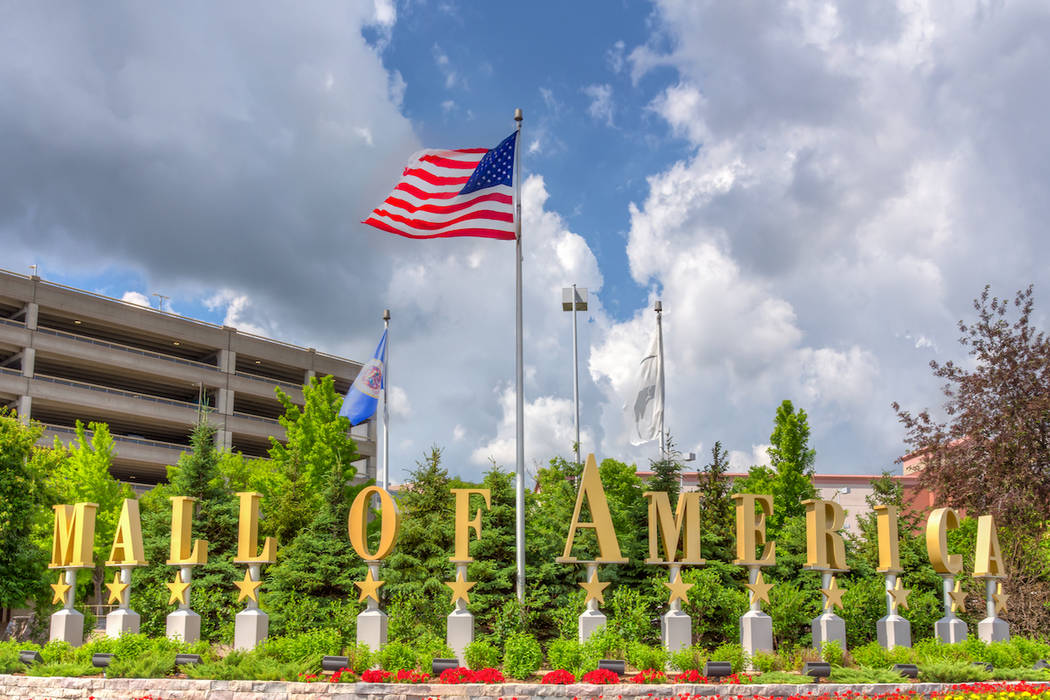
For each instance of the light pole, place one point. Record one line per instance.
(575, 299)
(161, 298)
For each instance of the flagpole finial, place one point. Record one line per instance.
(517, 115)
(659, 306)
(386, 314)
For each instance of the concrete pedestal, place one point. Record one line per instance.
(184, 625)
(829, 627)
(371, 628)
(250, 629)
(67, 625)
(950, 630)
(893, 631)
(676, 630)
(756, 632)
(590, 622)
(993, 629)
(459, 632)
(122, 621)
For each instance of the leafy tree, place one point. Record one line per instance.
(991, 453)
(81, 474)
(791, 457)
(22, 503)
(318, 445)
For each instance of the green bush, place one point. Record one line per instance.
(1003, 655)
(1031, 650)
(9, 662)
(605, 643)
(1020, 674)
(359, 657)
(782, 677)
(733, 653)
(396, 656)
(148, 665)
(630, 616)
(480, 654)
(764, 662)
(831, 652)
(299, 647)
(864, 675)
(565, 654)
(691, 659)
(934, 650)
(70, 668)
(521, 655)
(948, 672)
(643, 656)
(428, 647)
(240, 665)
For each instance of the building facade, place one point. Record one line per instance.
(67, 354)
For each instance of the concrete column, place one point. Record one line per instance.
(227, 361)
(123, 620)
(32, 314)
(67, 625)
(892, 630)
(459, 628)
(25, 408)
(251, 625)
(28, 362)
(756, 627)
(949, 629)
(372, 622)
(992, 628)
(828, 627)
(184, 624)
(592, 619)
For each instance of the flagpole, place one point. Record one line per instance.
(384, 481)
(519, 509)
(660, 347)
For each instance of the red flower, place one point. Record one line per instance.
(559, 677)
(377, 675)
(650, 675)
(600, 676)
(410, 676)
(690, 676)
(488, 675)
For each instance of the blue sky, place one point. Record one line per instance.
(816, 191)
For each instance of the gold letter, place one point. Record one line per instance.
(687, 515)
(127, 540)
(358, 523)
(824, 546)
(248, 532)
(751, 530)
(181, 523)
(602, 524)
(463, 525)
(937, 526)
(889, 544)
(74, 536)
(989, 560)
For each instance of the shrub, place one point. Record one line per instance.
(299, 647)
(947, 672)
(521, 655)
(149, 665)
(71, 668)
(429, 647)
(733, 653)
(642, 656)
(1031, 650)
(783, 677)
(565, 654)
(480, 654)
(630, 615)
(396, 656)
(1020, 674)
(872, 655)
(240, 665)
(650, 675)
(764, 662)
(1003, 655)
(691, 659)
(359, 657)
(864, 675)
(558, 677)
(600, 676)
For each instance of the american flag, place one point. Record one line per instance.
(445, 193)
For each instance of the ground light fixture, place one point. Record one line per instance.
(30, 657)
(187, 659)
(984, 664)
(617, 666)
(331, 664)
(816, 669)
(437, 666)
(1038, 665)
(907, 670)
(718, 669)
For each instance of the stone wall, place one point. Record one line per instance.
(31, 688)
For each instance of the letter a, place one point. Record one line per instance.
(602, 524)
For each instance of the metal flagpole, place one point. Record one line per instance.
(519, 519)
(384, 477)
(575, 376)
(660, 345)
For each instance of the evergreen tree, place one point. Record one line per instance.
(495, 555)
(667, 472)
(716, 508)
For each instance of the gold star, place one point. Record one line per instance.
(179, 590)
(832, 594)
(116, 589)
(899, 595)
(248, 588)
(594, 588)
(369, 587)
(958, 597)
(678, 589)
(460, 587)
(1000, 599)
(759, 589)
(60, 589)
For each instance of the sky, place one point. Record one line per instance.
(816, 191)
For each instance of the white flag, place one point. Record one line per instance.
(649, 402)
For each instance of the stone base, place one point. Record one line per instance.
(590, 622)
(184, 625)
(893, 631)
(829, 627)
(250, 629)
(676, 630)
(371, 629)
(950, 630)
(756, 632)
(68, 626)
(459, 632)
(993, 629)
(122, 621)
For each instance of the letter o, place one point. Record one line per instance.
(390, 524)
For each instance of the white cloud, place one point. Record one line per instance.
(615, 56)
(137, 298)
(601, 106)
